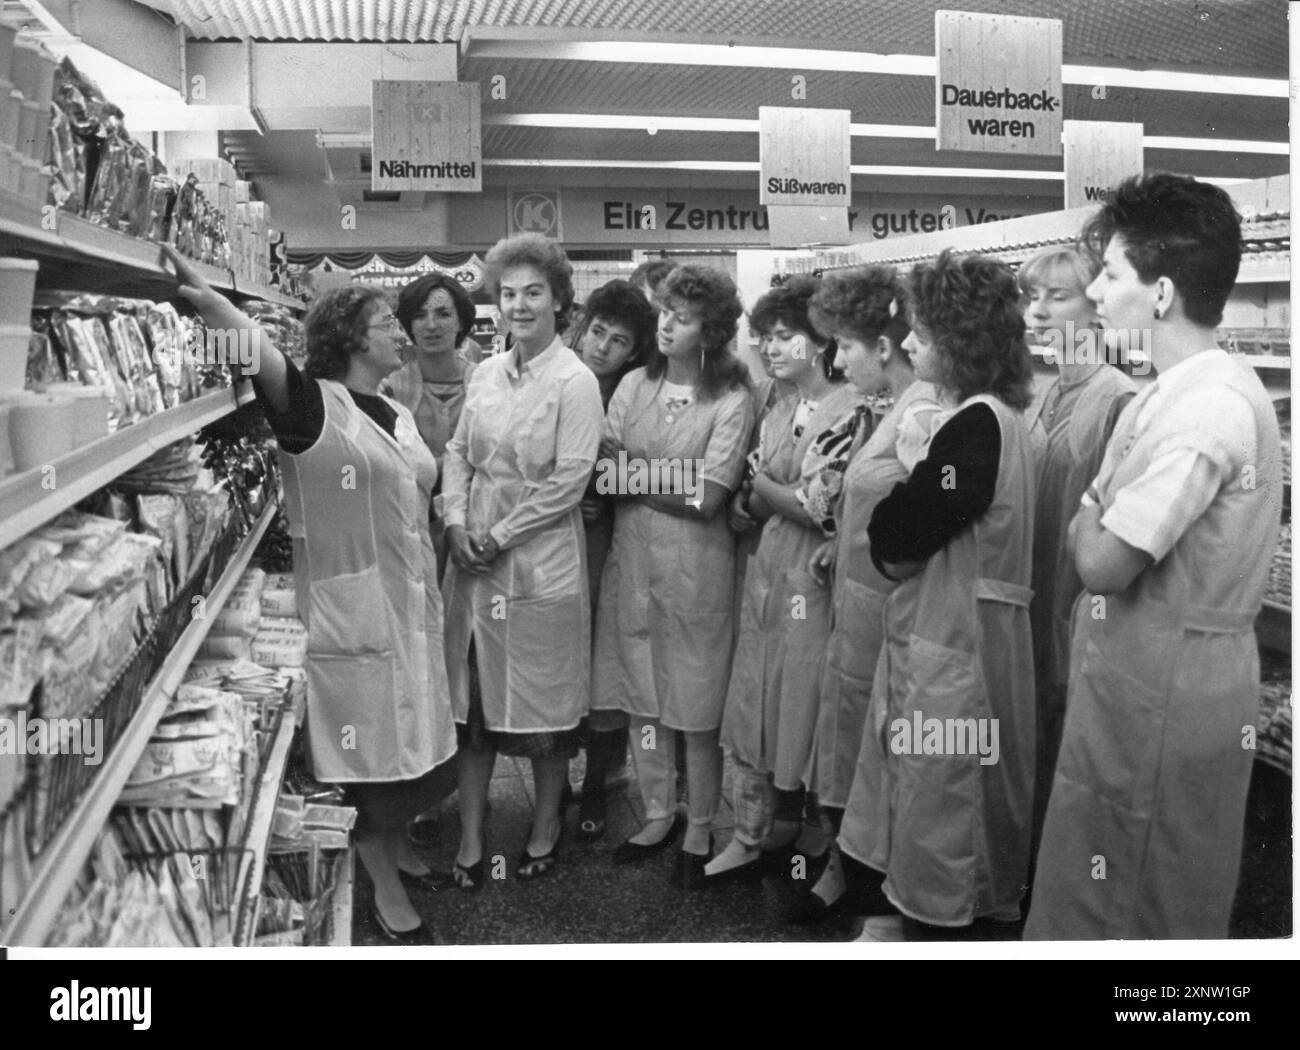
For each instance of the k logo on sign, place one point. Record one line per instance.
(536, 213)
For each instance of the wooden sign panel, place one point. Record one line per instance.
(1099, 154)
(794, 226)
(998, 85)
(426, 135)
(804, 156)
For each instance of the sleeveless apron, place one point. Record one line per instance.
(358, 509)
(951, 833)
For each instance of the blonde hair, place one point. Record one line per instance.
(1074, 259)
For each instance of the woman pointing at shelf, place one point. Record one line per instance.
(358, 480)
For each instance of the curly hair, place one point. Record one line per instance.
(652, 274)
(412, 297)
(1174, 226)
(970, 306)
(622, 303)
(713, 294)
(335, 328)
(789, 304)
(543, 253)
(863, 303)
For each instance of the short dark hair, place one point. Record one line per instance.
(335, 328)
(652, 272)
(971, 307)
(412, 297)
(712, 292)
(789, 304)
(1177, 227)
(622, 303)
(532, 249)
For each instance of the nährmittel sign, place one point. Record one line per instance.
(426, 135)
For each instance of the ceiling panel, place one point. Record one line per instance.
(1246, 34)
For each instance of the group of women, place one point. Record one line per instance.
(891, 623)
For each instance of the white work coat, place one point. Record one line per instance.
(1164, 686)
(770, 718)
(358, 505)
(665, 631)
(517, 467)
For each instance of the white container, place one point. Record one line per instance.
(8, 31)
(91, 422)
(11, 108)
(13, 356)
(6, 453)
(25, 69)
(17, 286)
(42, 430)
(30, 135)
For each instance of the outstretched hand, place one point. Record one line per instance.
(192, 286)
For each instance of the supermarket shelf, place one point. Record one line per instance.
(258, 835)
(1263, 273)
(77, 240)
(342, 904)
(27, 501)
(58, 866)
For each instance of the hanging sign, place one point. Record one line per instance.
(998, 84)
(534, 211)
(1099, 155)
(803, 156)
(426, 135)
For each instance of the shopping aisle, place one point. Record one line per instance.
(590, 901)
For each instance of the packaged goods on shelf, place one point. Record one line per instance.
(234, 627)
(171, 898)
(285, 330)
(197, 754)
(278, 595)
(1284, 427)
(281, 641)
(1279, 575)
(1273, 738)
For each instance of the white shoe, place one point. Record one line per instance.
(881, 928)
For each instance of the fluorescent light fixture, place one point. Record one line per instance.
(827, 61)
(1279, 149)
(633, 122)
(856, 169)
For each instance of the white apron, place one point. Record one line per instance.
(1076, 443)
(950, 833)
(665, 632)
(1153, 775)
(858, 594)
(770, 717)
(358, 505)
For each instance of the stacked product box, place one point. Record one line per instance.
(26, 88)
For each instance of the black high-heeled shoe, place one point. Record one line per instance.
(630, 852)
(421, 935)
(688, 871)
(531, 867)
(747, 874)
(470, 879)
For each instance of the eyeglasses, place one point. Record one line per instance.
(386, 322)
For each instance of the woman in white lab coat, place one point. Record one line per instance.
(358, 480)
(516, 588)
(675, 442)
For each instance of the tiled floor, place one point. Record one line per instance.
(590, 900)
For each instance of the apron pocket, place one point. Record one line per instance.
(1114, 725)
(348, 614)
(352, 717)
